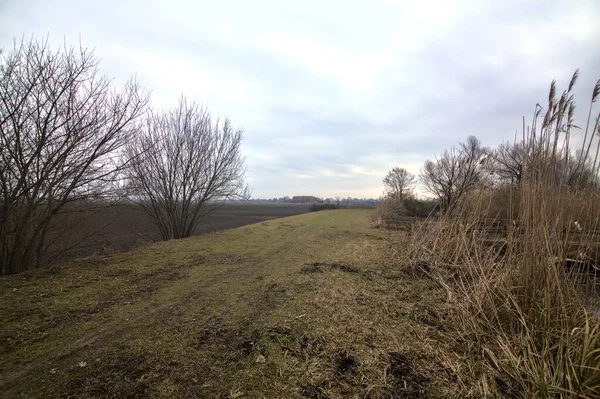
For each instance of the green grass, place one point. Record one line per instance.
(313, 298)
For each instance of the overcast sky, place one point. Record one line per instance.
(333, 94)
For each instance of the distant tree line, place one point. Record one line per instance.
(326, 200)
(71, 140)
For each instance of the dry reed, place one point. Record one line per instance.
(524, 320)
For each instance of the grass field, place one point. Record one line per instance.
(299, 307)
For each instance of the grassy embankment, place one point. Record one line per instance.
(304, 306)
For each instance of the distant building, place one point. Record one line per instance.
(304, 199)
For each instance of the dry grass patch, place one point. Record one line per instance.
(232, 314)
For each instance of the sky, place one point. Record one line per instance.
(333, 94)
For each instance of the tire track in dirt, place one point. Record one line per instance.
(112, 329)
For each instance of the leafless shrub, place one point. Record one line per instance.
(61, 127)
(388, 212)
(184, 163)
(393, 212)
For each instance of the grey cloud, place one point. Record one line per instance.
(411, 80)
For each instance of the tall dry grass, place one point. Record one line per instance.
(526, 322)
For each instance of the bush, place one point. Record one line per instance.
(391, 209)
(315, 207)
(414, 206)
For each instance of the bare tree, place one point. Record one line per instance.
(399, 182)
(456, 172)
(185, 162)
(510, 161)
(61, 126)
